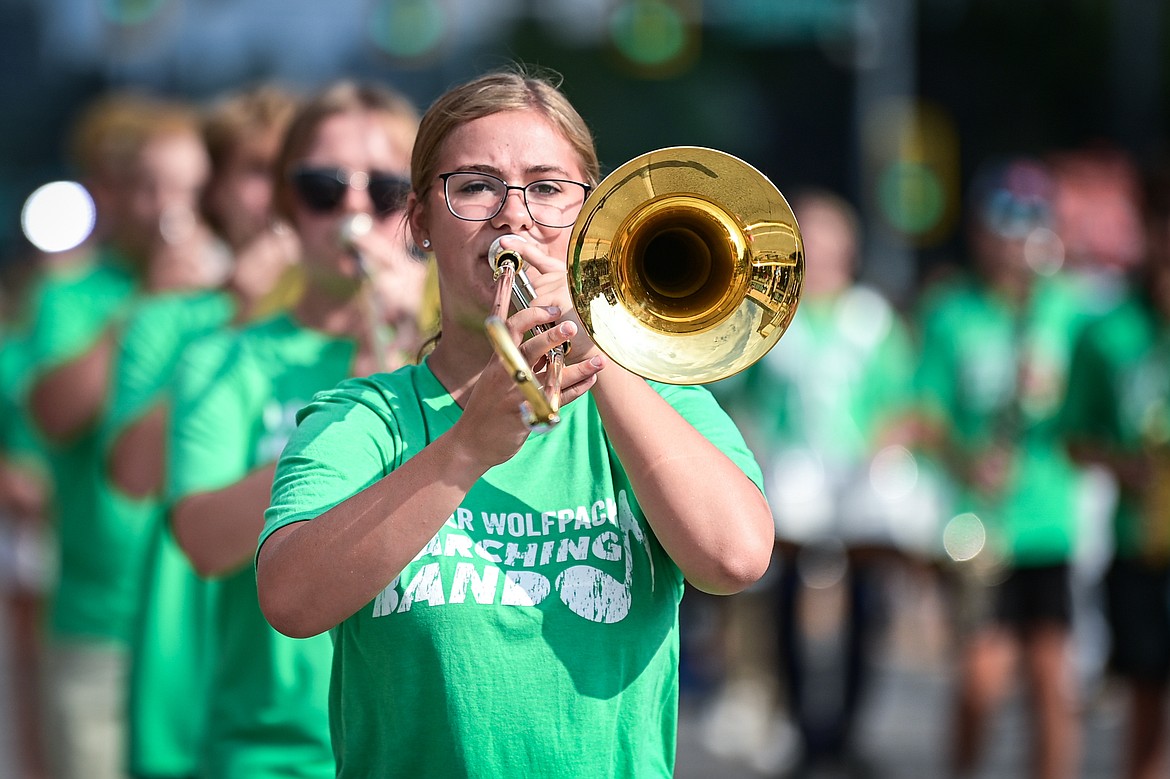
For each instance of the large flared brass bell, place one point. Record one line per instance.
(686, 265)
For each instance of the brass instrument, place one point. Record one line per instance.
(540, 406)
(685, 266)
(352, 229)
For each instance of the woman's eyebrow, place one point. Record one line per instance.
(545, 169)
(477, 168)
(542, 170)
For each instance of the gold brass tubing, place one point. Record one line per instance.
(536, 410)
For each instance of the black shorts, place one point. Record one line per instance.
(1034, 596)
(1138, 610)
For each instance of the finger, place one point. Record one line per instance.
(526, 319)
(579, 378)
(542, 343)
(535, 258)
(551, 284)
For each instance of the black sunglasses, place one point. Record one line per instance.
(322, 189)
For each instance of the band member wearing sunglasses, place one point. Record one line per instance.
(235, 400)
(505, 603)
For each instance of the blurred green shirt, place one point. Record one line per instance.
(995, 376)
(236, 396)
(169, 642)
(98, 555)
(1119, 399)
(843, 368)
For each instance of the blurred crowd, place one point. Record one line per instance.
(1002, 439)
(154, 372)
(999, 439)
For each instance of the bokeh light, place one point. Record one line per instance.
(408, 30)
(1044, 251)
(964, 537)
(58, 216)
(652, 36)
(131, 12)
(911, 197)
(893, 473)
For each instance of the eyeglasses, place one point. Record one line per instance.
(478, 197)
(322, 189)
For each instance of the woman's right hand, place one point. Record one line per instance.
(492, 421)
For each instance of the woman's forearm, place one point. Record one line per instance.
(708, 515)
(66, 402)
(218, 529)
(137, 458)
(370, 537)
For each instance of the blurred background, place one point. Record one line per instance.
(892, 102)
(896, 105)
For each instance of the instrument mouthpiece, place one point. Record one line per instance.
(497, 254)
(354, 227)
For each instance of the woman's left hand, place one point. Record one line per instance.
(549, 277)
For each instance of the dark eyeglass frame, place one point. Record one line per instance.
(508, 187)
(386, 191)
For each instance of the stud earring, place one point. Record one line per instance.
(426, 243)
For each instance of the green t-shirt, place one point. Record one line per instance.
(997, 377)
(155, 334)
(536, 635)
(19, 440)
(170, 638)
(844, 367)
(815, 409)
(1119, 398)
(236, 395)
(98, 557)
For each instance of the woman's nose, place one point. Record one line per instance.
(357, 194)
(514, 213)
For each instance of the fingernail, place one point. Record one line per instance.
(568, 328)
(553, 310)
(595, 362)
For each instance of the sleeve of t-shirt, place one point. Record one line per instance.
(140, 373)
(72, 314)
(17, 437)
(346, 439)
(211, 420)
(893, 381)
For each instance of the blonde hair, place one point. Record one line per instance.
(110, 132)
(401, 122)
(490, 94)
(236, 119)
(260, 115)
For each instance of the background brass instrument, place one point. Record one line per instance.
(352, 230)
(686, 266)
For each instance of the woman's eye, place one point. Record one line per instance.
(478, 188)
(543, 188)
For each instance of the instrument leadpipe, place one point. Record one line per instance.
(513, 288)
(353, 228)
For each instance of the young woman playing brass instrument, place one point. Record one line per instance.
(505, 603)
(235, 396)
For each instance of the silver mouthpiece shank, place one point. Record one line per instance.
(497, 254)
(355, 226)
